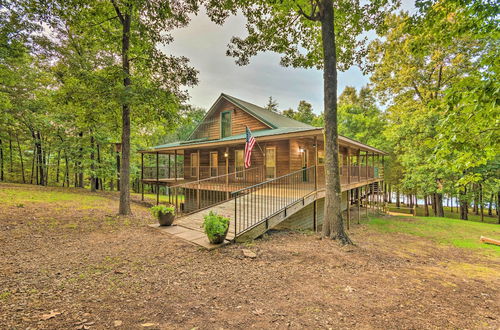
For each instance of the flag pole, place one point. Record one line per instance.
(257, 142)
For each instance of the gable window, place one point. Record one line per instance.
(225, 124)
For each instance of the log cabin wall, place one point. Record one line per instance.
(295, 156)
(239, 119)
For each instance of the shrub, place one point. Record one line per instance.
(158, 210)
(216, 227)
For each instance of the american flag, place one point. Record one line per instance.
(250, 142)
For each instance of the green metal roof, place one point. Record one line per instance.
(273, 119)
(256, 134)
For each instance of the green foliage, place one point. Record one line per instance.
(437, 72)
(272, 105)
(215, 225)
(159, 210)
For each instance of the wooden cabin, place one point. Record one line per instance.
(207, 169)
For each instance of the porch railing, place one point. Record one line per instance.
(197, 195)
(254, 204)
(164, 172)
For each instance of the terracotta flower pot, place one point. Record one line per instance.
(166, 219)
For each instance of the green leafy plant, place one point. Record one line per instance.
(216, 227)
(162, 210)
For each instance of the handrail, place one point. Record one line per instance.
(269, 181)
(197, 195)
(255, 204)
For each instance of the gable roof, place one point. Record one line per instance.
(273, 119)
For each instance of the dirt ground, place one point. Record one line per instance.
(71, 263)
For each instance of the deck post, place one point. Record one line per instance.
(315, 174)
(169, 166)
(315, 225)
(366, 201)
(142, 176)
(157, 179)
(348, 206)
(358, 193)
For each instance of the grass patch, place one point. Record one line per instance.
(458, 233)
(20, 197)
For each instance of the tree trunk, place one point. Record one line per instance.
(490, 205)
(11, 167)
(389, 196)
(398, 203)
(439, 205)
(1, 161)
(58, 164)
(39, 157)
(498, 213)
(79, 165)
(426, 206)
(33, 165)
(99, 180)
(333, 225)
(21, 159)
(475, 207)
(464, 205)
(481, 201)
(124, 208)
(92, 165)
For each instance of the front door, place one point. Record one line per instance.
(305, 156)
(270, 162)
(214, 162)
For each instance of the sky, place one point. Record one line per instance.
(205, 44)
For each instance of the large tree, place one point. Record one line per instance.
(131, 31)
(324, 34)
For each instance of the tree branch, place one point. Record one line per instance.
(313, 16)
(118, 12)
(418, 92)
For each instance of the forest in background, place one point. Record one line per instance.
(432, 102)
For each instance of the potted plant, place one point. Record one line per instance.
(164, 214)
(216, 227)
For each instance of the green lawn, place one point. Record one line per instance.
(163, 198)
(448, 213)
(458, 233)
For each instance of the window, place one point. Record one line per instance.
(194, 164)
(214, 162)
(270, 162)
(225, 124)
(239, 163)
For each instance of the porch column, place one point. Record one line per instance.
(142, 176)
(226, 157)
(175, 164)
(348, 166)
(315, 165)
(157, 179)
(366, 165)
(169, 166)
(359, 166)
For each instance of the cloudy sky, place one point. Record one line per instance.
(204, 43)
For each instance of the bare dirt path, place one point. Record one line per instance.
(72, 255)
